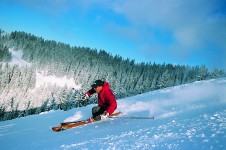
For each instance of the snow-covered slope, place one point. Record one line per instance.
(17, 58)
(41, 79)
(34, 94)
(191, 116)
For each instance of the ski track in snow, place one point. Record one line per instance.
(191, 116)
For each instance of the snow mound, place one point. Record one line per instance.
(75, 117)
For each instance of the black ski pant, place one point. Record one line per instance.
(97, 111)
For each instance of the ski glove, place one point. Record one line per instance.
(85, 96)
(104, 116)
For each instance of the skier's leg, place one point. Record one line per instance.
(97, 111)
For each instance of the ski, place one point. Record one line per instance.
(68, 125)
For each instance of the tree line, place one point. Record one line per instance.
(84, 65)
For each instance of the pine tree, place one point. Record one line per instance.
(164, 80)
(154, 82)
(215, 73)
(203, 73)
(2, 112)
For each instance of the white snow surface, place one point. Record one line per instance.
(17, 58)
(191, 116)
(42, 80)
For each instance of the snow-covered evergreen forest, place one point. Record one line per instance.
(27, 60)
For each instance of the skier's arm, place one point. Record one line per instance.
(90, 92)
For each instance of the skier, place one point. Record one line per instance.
(106, 100)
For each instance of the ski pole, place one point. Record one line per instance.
(132, 117)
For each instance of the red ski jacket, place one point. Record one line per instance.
(106, 98)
